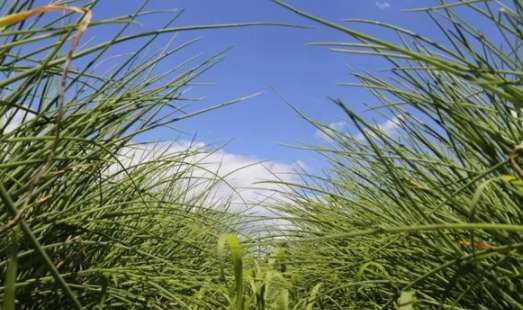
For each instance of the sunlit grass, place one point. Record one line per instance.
(432, 208)
(424, 213)
(87, 222)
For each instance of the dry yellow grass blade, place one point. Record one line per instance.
(20, 16)
(82, 26)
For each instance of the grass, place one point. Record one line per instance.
(86, 223)
(425, 217)
(430, 212)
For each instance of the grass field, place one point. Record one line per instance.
(428, 217)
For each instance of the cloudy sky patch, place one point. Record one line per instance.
(331, 129)
(382, 5)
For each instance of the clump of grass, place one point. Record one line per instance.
(259, 283)
(84, 222)
(433, 211)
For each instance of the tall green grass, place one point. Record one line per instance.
(426, 217)
(87, 221)
(430, 213)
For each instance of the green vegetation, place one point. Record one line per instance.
(85, 219)
(428, 217)
(434, 209)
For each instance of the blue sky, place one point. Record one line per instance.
(267, 58)
(274, 60)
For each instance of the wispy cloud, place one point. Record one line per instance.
(331, 129)
(14, 119)
(382, 5)
(231, 177)
(388, 127)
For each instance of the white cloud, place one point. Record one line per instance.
(234, 178)
(332, 128)
(240, 175)
(244, 172)
(388, 127)
(382, 5)
(14, 119)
